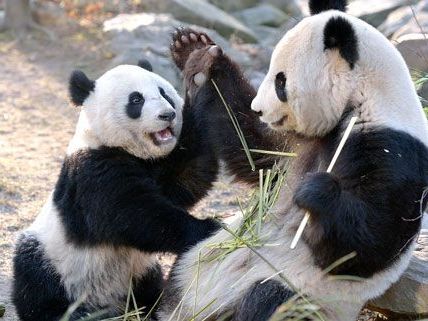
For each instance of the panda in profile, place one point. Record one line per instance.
(328, 68)
(138, 160)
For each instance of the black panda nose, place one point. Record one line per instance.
(168, 116)
(259, 113)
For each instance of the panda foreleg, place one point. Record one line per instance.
(261, 301)
(203, 63)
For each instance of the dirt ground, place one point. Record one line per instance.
(36, 123)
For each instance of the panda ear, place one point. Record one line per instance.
(80, 86)
(339, 34)
(145, 64)
(317, 6)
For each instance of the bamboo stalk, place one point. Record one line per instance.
(329, 169)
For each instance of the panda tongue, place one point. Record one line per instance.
(164, 134)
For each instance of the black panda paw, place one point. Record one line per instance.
(194, 53)
(318, 193)
(186, 41)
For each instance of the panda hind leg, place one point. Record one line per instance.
(37, 292)
(148, 290)
(261, 301)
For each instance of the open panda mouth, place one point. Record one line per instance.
(163, 136)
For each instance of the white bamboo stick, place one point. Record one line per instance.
(329, 169)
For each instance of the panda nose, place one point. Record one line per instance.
(168, 116)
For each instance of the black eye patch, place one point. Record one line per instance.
(280, 82)
(135, 105)
(167, 98)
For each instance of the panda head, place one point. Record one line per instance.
(312, 73)
(129, 107)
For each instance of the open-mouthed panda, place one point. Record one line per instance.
(328, 68)
(137, 162)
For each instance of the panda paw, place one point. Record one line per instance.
(194, 53)
(318, 193)
(185, 41)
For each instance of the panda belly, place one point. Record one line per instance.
(223, 283)
(98, 274)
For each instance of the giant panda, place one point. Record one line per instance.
(136, 163)
(328, 68)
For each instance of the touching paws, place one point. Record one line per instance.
(194, 53)
(317, 193)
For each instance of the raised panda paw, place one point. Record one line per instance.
(194, 53)
(318, 193)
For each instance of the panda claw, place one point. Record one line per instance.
(199, 79)
(185, 40)
(204, 39)
(215, 51)
(193, 37)
(177, 44)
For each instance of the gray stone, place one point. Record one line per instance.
(234, 5)
(1, 19)
(264, 33)
(414, 25)
(290, 7)
(264, 14)
(409, 296)
(205, 14)
(281, 31)
(396, 20)
(375, 12)
(423, 93)
(414, 49)
(399, 19)
(48, 13)
(131, 37)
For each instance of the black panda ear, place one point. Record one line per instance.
(80, 86)
(317, 6)
(339, 34)
(145, 64)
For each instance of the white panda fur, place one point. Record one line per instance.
(88, 252)
(320, 85)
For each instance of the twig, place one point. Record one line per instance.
(329, 169)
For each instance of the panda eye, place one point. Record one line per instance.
(136, 98)
(166, 97)
(135, 105)
(280, 82)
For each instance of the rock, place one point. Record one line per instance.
(263, 33)
(48, 13)
(264, 14)
(409, 296)
(375, 12)
(234, 5)
(414, 26)
(133, 36)
(281, 31)
(290, 7)
(395, 21)
(1, 19)
(423, 93)
(414, 49)
(205, 14)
